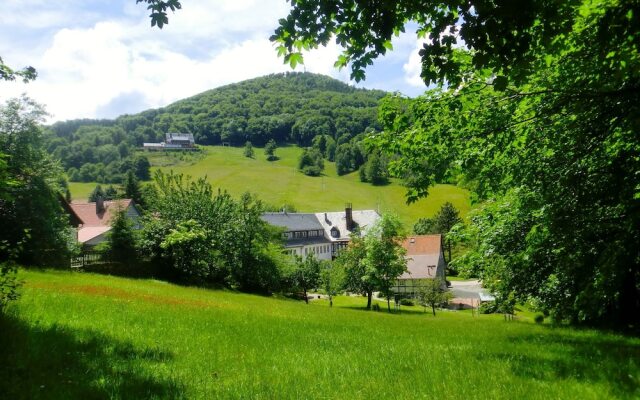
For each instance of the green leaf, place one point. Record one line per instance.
(500, 83)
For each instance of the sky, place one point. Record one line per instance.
(102, 58)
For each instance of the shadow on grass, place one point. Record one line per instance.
(383, 310)
(596, 359)
(61, 363)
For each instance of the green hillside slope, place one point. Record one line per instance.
(85, 336)
(279, 182)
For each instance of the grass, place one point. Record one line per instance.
(79, 335)
(279, 182)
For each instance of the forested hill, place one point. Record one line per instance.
(290, 107)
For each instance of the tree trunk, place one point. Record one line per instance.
(330, 301)
(388, 304)
(306, 298)
(449, 249)
(369, 294)
(433, 308)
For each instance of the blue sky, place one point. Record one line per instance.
(101, 59)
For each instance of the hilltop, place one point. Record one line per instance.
(288, 108)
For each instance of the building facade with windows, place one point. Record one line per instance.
(321, 234)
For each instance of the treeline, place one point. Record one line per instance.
(96, 153)
(286, 108)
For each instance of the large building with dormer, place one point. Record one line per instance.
(322, 235)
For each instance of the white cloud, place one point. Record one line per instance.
(121, 65)
(413, 67)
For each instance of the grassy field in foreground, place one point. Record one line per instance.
(279, 182)
(85, 336)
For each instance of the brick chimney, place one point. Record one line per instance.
(99, 205)
(348, 215)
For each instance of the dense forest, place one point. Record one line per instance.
(288, 108)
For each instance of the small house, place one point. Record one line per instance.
(425, 260)
(93, 219)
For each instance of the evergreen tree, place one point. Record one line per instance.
(132, 188)
(270, 150)
(248, 150)
(121, 243)
(97, 192)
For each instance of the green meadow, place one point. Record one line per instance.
(279, 182)
(86, 336)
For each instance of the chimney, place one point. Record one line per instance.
(99, 205)
(348, 216)
(326, 219)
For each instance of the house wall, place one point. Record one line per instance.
(321, 251)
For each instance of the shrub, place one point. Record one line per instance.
(539, 318)
(407, 302)
(489, 307)
(375, 307)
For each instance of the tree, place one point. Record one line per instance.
(248, 150)
(384, 261)
(31, 192)
(444, 220)
(187, 247)
(432, 293)
(121, 239)
(538, 111)
(425, 226)
(352, 261)
(143, 166)
(270, 150)
(242, 251)
(332, 279)
(375, 170)
(9, 74)
(306, 274)
(110, 193)
(96, 193)
(311, 162)
(132, 188)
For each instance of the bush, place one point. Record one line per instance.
(489, 307)
(539, 318)
(407, 302)
(312, 170)
(375, 307)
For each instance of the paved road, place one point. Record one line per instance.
(466, 289)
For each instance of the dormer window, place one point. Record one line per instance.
(335, 232)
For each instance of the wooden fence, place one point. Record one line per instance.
(88, 257)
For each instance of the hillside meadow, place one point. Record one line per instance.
(80, 335)
(279, 182)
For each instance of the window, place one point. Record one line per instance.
(313, 233)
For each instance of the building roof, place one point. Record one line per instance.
(179, 136)
(293, 221)
(423, 244)
(423, 256)
(421, 266)
(87, 233)
(89, 216)
(363, 219)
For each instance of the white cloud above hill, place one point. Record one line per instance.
(98, 59)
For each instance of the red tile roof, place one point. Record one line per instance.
(423, 244)
(89, 217)
(423, 255)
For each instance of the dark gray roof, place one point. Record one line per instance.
(293, 221)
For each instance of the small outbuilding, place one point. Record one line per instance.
(425, 260)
